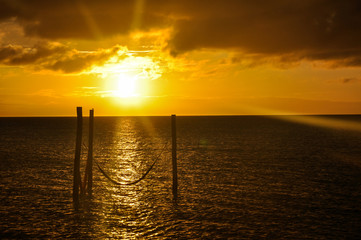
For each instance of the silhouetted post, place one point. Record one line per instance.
(89, 167)
(76, 182)
(174, 157)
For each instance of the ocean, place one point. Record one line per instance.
(240, 177)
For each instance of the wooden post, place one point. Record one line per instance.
(89, 167)
(174, 157)
(76, 182)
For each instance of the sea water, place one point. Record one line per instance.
(239, 177)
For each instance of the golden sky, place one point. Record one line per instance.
(162, 57)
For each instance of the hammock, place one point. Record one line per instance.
(133, 182)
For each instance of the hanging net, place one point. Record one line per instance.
(131, 182)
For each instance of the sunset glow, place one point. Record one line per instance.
(180, 119)
(179, 57)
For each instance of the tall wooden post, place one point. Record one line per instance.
(76, 182)
(174, 157)
(89, 167)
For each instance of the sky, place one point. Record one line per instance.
(162, 57)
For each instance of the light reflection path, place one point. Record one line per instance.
(126, 211)
(120, 204)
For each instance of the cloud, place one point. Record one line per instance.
(270, 27)
(326, 30)
(19, 55)
(350, 80)
(80, 19)
(309, 29)
(76, 61)
(57, 57)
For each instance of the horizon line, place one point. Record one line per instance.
(193, 115)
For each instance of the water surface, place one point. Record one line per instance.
(240, 177)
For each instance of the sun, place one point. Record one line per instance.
(127, 81)
(126, 85)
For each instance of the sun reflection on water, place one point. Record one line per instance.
(125, 167)
(133, 145)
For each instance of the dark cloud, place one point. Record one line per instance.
(77, 18)
(312, 30)
(55, 57)
(263, 26)
(307, 29)
(350, 80)
(19, 55)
